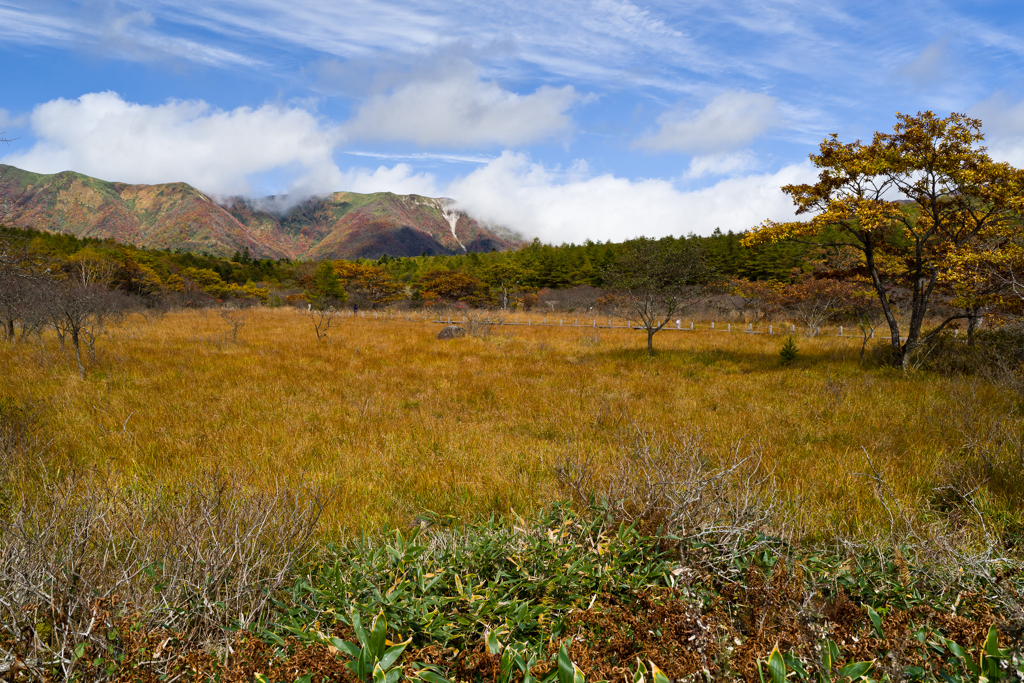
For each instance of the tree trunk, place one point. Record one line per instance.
(9, 330)
(974, 320)
(78, 352)
(650, 341)
(898, 356)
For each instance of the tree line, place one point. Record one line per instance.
(916, 223)
(503, 279)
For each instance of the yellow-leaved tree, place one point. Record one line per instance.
(912, 203)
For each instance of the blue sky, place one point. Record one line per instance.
(599, 119)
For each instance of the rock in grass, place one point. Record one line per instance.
(451, 332)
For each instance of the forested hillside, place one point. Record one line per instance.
(150, 272)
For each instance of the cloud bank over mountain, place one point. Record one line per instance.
(217, 151)
(102, 135)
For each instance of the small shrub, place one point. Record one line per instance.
(789, 351)
(995, 353)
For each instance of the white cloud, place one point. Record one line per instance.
(572, 206)
(1003, 125)
(399, 179)
(729, 121)
(721, 164)
(458, 108)
(102, 135)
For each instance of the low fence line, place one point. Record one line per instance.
(609, 324)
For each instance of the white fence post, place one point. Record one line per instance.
(728, 327)
(840, 330)
(712, 326)
(679, 324)
(691, 324)
(770, 330)
(792, 329)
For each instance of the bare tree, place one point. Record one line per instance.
(21, 275)
(235, 320)
(815, 301)
(79, 311)
(655, 279)
(323, 318)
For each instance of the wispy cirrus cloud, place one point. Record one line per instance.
(423, 156)
(132, 34)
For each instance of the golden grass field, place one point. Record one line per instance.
(391, 422)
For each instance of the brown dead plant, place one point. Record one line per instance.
(80, 556)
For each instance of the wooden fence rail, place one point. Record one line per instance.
(611, 323)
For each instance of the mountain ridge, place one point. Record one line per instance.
(179, 216)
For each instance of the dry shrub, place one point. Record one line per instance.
(480, 324)
(682, 489)
(81, 559)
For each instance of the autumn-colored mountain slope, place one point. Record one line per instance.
(178, 216)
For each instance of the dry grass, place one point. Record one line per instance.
(391, 423)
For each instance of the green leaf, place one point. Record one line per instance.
(307, 678)
(955, 649)
(393, 653)
(856, 670)
(432, 677)
(638, 675)
(577, 675)
(834, 653)
(364, 663)
(776, 666)
(393, 675)
(379, 675)
(992, 643)
(505, 665)
(345, 646)
(493, 646)
(565, 666)
(80, 650)
(361, 634)
(657, 675)
(877, 621)
(378, 635)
